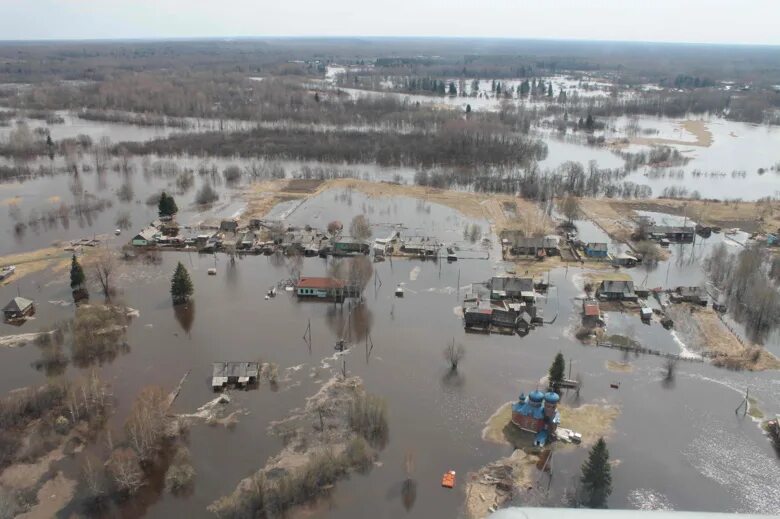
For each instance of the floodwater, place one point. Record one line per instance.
(677, 443)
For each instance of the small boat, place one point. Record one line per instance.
(212, 271)
(615, 385)
(271, 292)
(448, 479)
(7, 272)
(399, 291)
(118, 232)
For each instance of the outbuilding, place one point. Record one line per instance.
(19, 308)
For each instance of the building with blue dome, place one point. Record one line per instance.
(537, 413)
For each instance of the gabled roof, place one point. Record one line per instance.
(612, 286)
(511, 284)
(147, 234)
(18, 304)
(597, 246)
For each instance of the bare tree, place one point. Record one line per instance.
(360, 228)
(125, 470)
(454, 354)
(147, 422)
(570, 207)
(334, 228)
(104, 267)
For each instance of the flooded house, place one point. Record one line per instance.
(424, 246)
(596, 250)
(612, 290)
(146, 237)
(246, 241)
(228, 225)
(538, 414)
(675, 234)
(348, 246)
(239, 374)
(321, 288)
(18, 308)
(308, 241)
(512, 288)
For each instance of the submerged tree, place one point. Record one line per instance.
(596, 476)
(77, 277)
(360, 228)
(181, 285)
(104, 268)
(167, 205)
(454, 354)
(557, 371)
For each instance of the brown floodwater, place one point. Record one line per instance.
(679, 444)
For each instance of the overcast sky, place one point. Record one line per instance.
(703, 21)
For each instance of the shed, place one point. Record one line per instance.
(617, 290)
(18, 308)
(228, 225)
(596, 250)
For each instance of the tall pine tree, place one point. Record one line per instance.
(181, 285)
(557, 371)
(596, 476)
(167, 205)
(77, 277)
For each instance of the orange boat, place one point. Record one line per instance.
(448, 479)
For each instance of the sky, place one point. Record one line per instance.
(697, 21)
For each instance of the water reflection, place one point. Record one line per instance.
(185, 315)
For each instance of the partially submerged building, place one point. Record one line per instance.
(678, 234)
(611, 290)
(240, 374)
(538, 414)
(512, 288)
(18, 308)
(321, 288)
(348, 246)
(541, 246)
(425, 246)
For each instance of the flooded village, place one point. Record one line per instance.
(241, 332)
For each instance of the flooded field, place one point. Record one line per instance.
(678, 443)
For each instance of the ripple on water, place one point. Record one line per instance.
(739, 465)
(649, 499)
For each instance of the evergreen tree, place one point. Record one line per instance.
(452, 90)
(557, 371)
(468, 109)
(549, 89)
(167, 205)
(589, 123)
(181, 285)
(596, 476)
(317, 97)
(525, 88)
(77, 277)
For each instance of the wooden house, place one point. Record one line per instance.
(18, 308)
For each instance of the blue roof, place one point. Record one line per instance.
(526, 409)
(536, 396)
(552, 397)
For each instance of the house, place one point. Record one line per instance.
(772, 240)
(596, 250)
(538, 414)
(479, 316)
(693, 295)
(506, 287)
(420, 246)
(520, 245)
(320, 288)
(146, 237)
(346, 246)
(677, 234)
(245, 241)
(18, 308)
(228, 225)
(616, 291)
(240, 374)
(645, 313)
